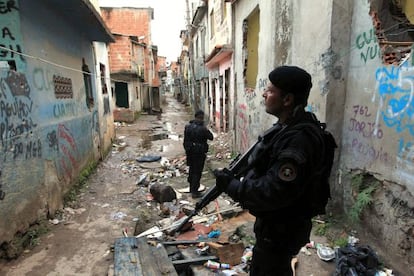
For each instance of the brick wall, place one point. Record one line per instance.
(123, 23)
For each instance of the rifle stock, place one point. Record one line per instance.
(238, 167)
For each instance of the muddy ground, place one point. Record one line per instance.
(80, 240)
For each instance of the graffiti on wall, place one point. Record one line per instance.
(43, 79)
(366, 43)
(396, 91)
(61, 110)
(363, 125)
(313, 107)
(63, 142)
(10, 34)
(16, 122)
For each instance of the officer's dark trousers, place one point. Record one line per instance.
(276, 244)
(196, 165)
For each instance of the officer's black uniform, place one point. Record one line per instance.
(195, 144)
(275, 190)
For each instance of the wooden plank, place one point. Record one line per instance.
(135, 257)
(154, 259)
(127, 257)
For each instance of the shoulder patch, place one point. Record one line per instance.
(287, 172)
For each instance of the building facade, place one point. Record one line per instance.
(133, 62)
(55, 112)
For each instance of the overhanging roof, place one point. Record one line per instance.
(83, 15)
(219, 53)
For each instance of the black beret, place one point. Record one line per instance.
(292, 79)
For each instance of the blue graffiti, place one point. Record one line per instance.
(396, 89)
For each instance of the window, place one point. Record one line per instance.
(88, 84)
(251, 27)
(103, 79)
(212, 25)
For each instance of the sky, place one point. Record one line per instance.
(169, 20)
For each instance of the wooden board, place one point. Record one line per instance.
(135, 257)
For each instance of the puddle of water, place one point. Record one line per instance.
(148, 136)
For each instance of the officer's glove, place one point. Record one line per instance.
(223, 179)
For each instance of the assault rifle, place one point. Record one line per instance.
(238, 166)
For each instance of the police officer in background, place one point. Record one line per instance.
(276, 188)
(195, 144)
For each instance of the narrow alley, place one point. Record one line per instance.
(80, 241)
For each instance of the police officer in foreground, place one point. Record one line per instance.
(278, 186)
(195, 144)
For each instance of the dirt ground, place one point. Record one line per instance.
(81, 239)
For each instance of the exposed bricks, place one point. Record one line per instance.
(392, 52)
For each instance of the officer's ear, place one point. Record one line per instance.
(289, 99)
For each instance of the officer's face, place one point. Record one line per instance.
(274, 100)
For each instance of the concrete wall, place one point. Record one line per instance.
(46, 138)
(105, 103)
(378, 134)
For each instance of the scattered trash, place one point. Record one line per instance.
(54, 221)
(305, 251)
(154, 232)
(352, 240)
(216, 265)
(118, 215)
(142, 178)
(247, 255)
(202, 251)
(325, 253)
(356, 260)
(149, 158)
(214, 234)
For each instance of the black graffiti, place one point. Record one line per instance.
(402, 208)
(11, 49)
(53, 140)
(8, 6)
(28, 149)
(18, 108)
(10, 131)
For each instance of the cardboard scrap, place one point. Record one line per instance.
(229, 253)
